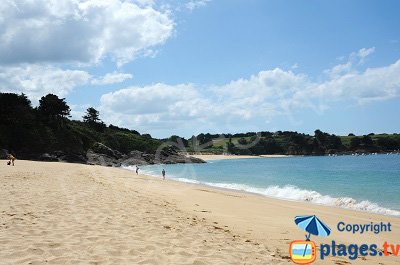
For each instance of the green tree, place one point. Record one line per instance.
(91, 116)
(355, 142)
(15, 109)
(242, 141)
(16, 121)
(53, 107)
(388, 143)
(366, 140)
(177, 139)
(92, 119)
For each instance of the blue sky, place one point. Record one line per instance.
(185, 67)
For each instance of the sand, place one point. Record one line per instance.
(224, 157)
(57, 213)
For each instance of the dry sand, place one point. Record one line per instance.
(224, 157)
(55, 213)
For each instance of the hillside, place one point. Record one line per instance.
(290, 143)
(46, 133)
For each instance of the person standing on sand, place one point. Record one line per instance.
(137, 170)
(163, 174)
(12, 159)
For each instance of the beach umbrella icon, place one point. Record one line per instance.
(312, 225)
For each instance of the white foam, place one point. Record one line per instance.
(293, 193)
(296, 194)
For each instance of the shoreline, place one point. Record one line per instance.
(69, 213)
(204, 185)
(228, 157)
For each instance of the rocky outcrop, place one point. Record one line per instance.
(100, 154)
(170, 156)
(103, 155)
(48, 157)
(100, 148)
(3, 154)
(59, 156)
(94, 158)
(73, 158)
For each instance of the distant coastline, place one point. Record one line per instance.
(45, 133)
(210, 157)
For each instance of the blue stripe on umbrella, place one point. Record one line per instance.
(299, 219)
(322, 229)
(325, 227)
(303, 224)
(312, 225)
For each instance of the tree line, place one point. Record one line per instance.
(289, 143)
(28, 131)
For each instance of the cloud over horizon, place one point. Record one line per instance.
(48, 46)
(39, 80)
(79, 31)
(264, 96)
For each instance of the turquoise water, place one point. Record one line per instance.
(366, 183)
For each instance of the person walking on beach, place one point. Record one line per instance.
(137, 170)
(163, 174)
(12, 159)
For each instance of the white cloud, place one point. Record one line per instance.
(339, 70)
(194, 4)
(371, 85)
(364, 52)
(259, 98)
(162, 106)
(78, 111)
(40, 39)
(354, 59)
(83, 31)
(38, 80)
(361, 55)
(111, 78)
(157, 106)
(155, 99)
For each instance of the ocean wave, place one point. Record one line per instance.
(292, 193)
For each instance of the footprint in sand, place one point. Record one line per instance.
(35, 251)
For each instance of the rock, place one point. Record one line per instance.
(101, 159)
(138, 158)
(103, 155)
(167, 156)
(134, 162)
(172, 157)
(149, 158)
(197, 160)
(3, 154)
(48, 157)
(100, 148)
(73, 158)
(135, 154)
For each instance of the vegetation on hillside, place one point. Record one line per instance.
(289, 143)
(28, 131)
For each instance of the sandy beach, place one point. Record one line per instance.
(58, 213)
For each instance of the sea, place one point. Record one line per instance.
(364, 183)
